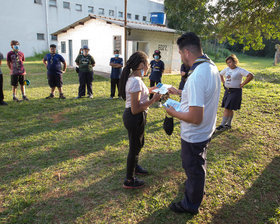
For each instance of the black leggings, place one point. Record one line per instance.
(1, 88)
(152, 84)
(135, 125)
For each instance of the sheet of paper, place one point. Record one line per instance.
(172, 103)
(162, 88)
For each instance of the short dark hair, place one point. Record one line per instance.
(190, 41)
(14, 42)
(53, 45)
(116, 51)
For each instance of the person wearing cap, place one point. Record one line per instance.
(116, 63)
(2, 102)
(86, 63)
(15, 59)
(157, 68)
(53, 62)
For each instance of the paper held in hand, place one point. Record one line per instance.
(162, 88)
(172, 103)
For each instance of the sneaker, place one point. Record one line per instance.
(50, 96)
(61, 96)
(178, 208)
(159, 104)
(111, 98)
(133, 183)
(90, 96)
(78, 97)
(15, 99)
(25, 98)
(228, 126)
(120, 98)
(220, 128)
(140, 171)
(3, 103)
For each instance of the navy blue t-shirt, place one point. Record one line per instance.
(116, 72)
(54, 62)
(157, 69)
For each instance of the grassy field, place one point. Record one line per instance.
(63, 161)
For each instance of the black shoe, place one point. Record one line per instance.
(61, 96)
(228, 126)
(3, 103)
(133, 183)
(78, 97)
(50, 96)
(15, 99)
(221, 128)
(140, 171)
(178, 208)
(25, 98)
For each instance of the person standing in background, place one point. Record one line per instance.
(2, 102)
(15, 59)
(86, 63)
(116, 63)
(184, 75)
(53, 62)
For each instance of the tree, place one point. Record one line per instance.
(245, 22)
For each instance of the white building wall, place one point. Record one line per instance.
(100, 41)
(23, 19)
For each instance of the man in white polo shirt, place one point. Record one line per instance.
(198, 113)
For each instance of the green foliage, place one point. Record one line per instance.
(38, 56)
(247, 22)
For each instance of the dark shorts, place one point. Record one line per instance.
(55, 80)
(15, 79)
(232, 98)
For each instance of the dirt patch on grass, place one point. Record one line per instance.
(59, 117)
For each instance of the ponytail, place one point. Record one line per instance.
(132, 63)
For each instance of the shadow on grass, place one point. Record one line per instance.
(260, 202)
(102, 201)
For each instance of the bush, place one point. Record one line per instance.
(216, 51)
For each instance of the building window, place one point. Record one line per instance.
(78, 7)
(145, 18)
(129, 15)
(84, 42)
(38, 1)
(90, 9)
(101, 11)
(117, 43)
(136, 17)
(52, 3)
(53, 37)
(66, 5)
(111, 13)
(120, 14)
(63, 47)
(40, 36)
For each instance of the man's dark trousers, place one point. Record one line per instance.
(114, 83)
(1, 88)
(194, 163)
(85, 79)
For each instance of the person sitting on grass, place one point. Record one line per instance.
(157, 69)
(233, 89)
(2, 102)
(15, 59)
(116, 63)
(53, 62)
(86, 63)
(136, 94)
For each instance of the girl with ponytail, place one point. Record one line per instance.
(136, 94)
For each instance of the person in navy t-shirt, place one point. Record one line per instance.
(157, 68)
(53, 62)
(184, 75)
(116, 63)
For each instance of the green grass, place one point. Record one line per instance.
(64, 161)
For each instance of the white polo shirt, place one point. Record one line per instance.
(202, 89)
